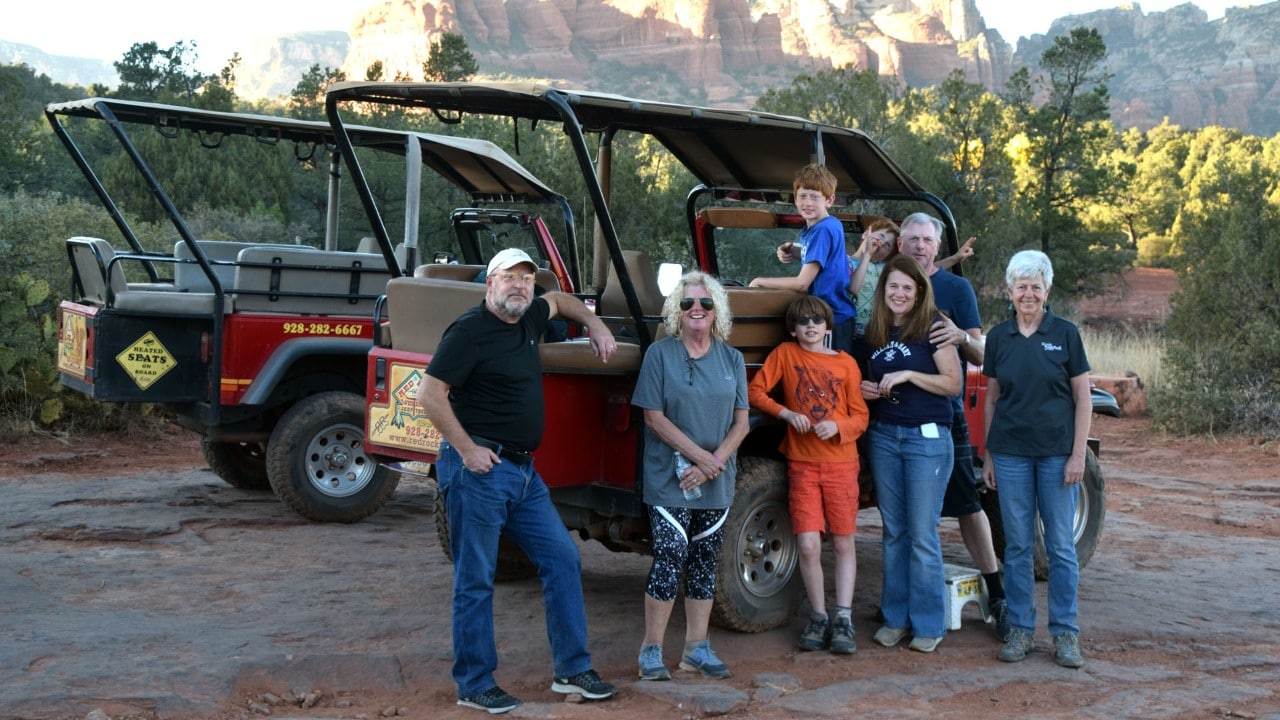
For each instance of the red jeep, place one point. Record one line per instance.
(259, 344)
(737, 215)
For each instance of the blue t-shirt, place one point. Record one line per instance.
(915, 405)
(824, 244)
(955, 297)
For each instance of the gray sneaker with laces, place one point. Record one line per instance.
(817, 634)
(842, 638)
(1017, 646)
(1066, 650)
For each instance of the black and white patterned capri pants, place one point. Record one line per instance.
(686, 543)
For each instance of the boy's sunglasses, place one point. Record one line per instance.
(811, 320)
(706, 303)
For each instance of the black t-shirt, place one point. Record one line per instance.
(494, 374)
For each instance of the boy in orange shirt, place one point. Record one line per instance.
(826, 414)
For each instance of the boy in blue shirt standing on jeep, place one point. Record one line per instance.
(820, 247)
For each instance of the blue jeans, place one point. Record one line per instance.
(1028, 484)
(508, 501)
(911, 474)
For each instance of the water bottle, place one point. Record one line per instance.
(682, 465)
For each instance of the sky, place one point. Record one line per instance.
(106, 29)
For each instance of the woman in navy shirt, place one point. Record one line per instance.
(909, 394)
(1037, 417)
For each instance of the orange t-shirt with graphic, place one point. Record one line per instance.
(822, 386)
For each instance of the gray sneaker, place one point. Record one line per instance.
(817, 634)
(924, 644)
(1066, 650)
(842, 638)
(1017, 646)
(890, 636)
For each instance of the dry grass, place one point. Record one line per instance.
(1123, 351)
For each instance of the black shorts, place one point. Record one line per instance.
(962, 496)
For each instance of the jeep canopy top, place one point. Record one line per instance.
(727, 150)
(478, 167)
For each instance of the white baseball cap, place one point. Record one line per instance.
(509, 258)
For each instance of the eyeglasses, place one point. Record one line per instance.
(811, 320)
(706, 303)
(513, 277)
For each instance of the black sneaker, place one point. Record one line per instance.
(817, 634)
(494, 701)
(1000, 613)
(587, 684)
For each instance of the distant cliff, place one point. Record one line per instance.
(1177, 64)
(714, 51)
(270, 68)
(727, 52)
(59, 68)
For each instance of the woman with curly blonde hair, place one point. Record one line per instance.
(693, 391)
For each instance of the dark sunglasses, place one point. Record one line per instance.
(706, 303)
(811, 320)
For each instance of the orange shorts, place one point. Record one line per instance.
(823, 497)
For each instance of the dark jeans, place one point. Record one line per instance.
(512, 501)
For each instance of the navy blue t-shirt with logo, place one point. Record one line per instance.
(1035, 413)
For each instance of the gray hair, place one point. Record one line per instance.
(1028, 265)
(922, 218)
(671, 314)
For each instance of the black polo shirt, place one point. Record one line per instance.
(495, 374)
(1035, 413)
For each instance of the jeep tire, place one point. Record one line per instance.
(316, 461)
(1091, 515)
(240, 465)
(513, 564)
(758, 585)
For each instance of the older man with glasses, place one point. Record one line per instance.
(483, 392)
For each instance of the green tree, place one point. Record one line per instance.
(306, 100)
(150, 73)
(450, 60)
(843, 96)
(220, 90)
(1224, 330)
(1062, 150)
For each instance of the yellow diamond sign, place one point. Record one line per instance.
(146, 360)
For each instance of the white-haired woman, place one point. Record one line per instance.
(1037, 422)
(693, 390)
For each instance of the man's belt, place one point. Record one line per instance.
(518, 457)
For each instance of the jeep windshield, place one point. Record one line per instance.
(736, 157)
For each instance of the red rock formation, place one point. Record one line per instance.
(719, 50)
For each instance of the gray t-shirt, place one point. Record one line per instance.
(699, 396)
